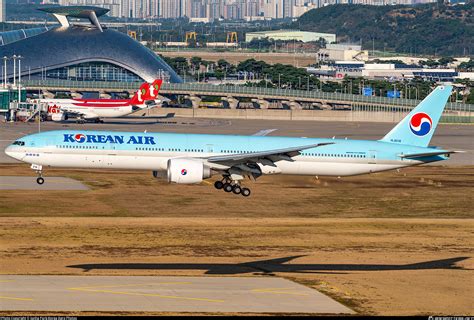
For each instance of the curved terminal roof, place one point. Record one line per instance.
(66, 46)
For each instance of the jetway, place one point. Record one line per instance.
(27, 111)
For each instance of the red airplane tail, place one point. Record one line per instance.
(139, 97)
(154, 90)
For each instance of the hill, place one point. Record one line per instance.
(434, 29)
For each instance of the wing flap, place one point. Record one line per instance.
(264, 132)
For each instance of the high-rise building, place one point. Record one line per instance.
(215, 9)
(170, 8)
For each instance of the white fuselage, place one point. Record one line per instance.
(87, 109)
(155, 160)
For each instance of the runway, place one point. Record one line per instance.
(29, 183)
(452, 137)
(163, 294)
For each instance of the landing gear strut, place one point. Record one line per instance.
(39, 172)
(231, 186)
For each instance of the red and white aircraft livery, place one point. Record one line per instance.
(95, 109)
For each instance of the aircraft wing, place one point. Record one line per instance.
(75, 113)
(427, 154)
(273, 155)
(264, 132)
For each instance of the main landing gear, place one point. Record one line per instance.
(232, 186)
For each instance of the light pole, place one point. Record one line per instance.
(19, 78)
(14, 70)
(5, 58)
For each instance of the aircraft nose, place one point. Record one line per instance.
(9, 151)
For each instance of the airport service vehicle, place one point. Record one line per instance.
(96, 109)
(191, 158)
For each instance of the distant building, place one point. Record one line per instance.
(87, 52)
(289, 35)
(217, 9)
(199, 20)
(386, 71)
(3, 15)
(345, 52)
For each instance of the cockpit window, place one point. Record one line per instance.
(19, 143)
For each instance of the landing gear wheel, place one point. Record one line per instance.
(40, 180)
(218, 185)
(245, 192)
(228, 187)
(237, 189)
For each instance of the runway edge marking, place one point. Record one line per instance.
(89, 289)
(279, 291)
(13, 298)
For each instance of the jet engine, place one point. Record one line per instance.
(61, 116)
(187, 171)
(162, 174)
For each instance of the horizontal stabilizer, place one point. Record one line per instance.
(428, 154)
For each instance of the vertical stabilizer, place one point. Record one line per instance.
(140, 96)
(418, 126)
(154, 90)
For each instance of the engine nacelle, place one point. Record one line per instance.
(61, 116)
(187, 171)
(162, 174)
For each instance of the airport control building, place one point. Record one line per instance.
(80, 52)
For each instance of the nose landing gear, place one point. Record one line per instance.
(39, 171)
(231, 186)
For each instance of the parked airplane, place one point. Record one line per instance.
(96, 109)
(190, 158)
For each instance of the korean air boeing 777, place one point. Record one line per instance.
(191, 158)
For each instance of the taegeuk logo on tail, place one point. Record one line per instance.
(420, 124)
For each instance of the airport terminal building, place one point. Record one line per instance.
(80, 52)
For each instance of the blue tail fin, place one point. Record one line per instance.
(418, 126)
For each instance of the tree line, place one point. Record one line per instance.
(261, 74)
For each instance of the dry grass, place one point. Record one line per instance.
(436, 192)
(346, 232)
